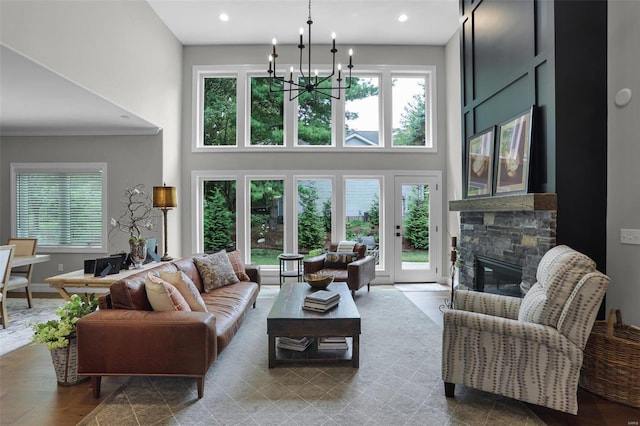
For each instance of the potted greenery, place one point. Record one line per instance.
(60, 337)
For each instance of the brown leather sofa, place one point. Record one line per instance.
(356, 274)
(125, 337)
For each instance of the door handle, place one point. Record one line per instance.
(398, 234)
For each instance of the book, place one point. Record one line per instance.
(323, 296)
(312, 304)
(292, 344)
(319, 307)
(294, 340)
(333, 343)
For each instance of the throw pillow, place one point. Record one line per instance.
(216, 270)
(164, 296)
(346, 246)
(187, 289)
(339, 260)
(238, 265)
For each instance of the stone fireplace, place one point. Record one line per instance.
(509, 234)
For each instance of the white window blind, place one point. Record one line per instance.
(61, 206)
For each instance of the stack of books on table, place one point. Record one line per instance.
(332, 343)
(294, 344)
(321, 300)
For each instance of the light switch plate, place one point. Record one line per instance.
(630, 236)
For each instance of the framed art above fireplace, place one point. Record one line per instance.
(513, 154)
(479, 164)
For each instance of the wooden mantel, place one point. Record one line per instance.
(522, 202)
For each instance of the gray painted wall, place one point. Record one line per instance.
(121, 153)
(623, 180)
(119, 50)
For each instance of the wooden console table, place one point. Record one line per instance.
(78, 279)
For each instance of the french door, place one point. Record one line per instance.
(418, 217)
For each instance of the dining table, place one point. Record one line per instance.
(29, 260)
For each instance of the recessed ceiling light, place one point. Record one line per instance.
(403, 18)
(224, 17)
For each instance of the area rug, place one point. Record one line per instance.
(18, 332)
(398, 382)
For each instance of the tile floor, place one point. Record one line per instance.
(428, 297)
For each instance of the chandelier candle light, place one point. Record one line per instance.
(165, 198)
(308, 83)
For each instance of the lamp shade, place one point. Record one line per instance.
(165, 197)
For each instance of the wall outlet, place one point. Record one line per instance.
(630, 236)
(60, 267)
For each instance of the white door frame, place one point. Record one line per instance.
(432, 272)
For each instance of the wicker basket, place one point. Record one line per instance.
(611, 365)
(65, 362)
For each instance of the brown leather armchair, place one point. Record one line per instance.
(356, 274)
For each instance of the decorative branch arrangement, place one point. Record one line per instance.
(138, 213)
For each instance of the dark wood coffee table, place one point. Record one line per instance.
(287, 318)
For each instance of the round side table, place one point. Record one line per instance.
(296, 259)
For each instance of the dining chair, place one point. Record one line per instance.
(9, 282)
(24, 247)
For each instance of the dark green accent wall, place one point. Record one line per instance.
(553, 55)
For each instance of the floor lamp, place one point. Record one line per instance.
(165, 198)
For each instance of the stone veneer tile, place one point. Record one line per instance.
(520, 238)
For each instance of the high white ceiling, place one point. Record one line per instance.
(57, 106)
(35, 101)
(353, 21)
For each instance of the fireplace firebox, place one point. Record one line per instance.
(498, 277)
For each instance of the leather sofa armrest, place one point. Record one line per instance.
(313, 264)
(361, 272)
(129, 342)
(253, 270)
(104, 301)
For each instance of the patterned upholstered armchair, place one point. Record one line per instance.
(528, 349)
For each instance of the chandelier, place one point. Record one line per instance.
(308, 83)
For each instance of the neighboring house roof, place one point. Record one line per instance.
(363, 137)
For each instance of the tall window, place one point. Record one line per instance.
(362, 200)
(267, 221)
(219, 215)
(267, 114)
(62, 205)
(314, 118)
(384, 109)
(314, 215)
(362, 112)
(408, 95)
(219, 109)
